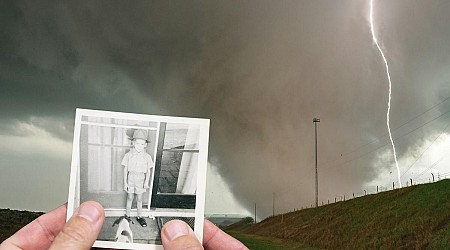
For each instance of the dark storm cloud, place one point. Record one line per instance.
(260, 71)
(47, 73)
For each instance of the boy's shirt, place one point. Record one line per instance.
(137, 162)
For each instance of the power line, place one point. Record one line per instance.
(384, 135)
(431, 167)
(397, 138)
(420, 156)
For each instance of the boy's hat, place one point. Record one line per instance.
(140, 134)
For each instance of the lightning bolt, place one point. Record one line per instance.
(390, 90)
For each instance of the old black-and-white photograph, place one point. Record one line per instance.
(144, 170)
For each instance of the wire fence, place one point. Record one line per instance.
(434, 177)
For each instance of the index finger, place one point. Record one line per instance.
(214, 238)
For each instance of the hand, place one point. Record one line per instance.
(146, 186)
(50, 231)
(177, 235)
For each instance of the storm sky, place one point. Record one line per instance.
(260, 70)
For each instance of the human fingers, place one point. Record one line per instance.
(82, 229)
(38, 234)
(177, 235)
(216, 239)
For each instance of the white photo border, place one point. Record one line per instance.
(74, 187)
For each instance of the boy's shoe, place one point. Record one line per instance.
(141, 221)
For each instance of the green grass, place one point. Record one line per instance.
(267, 243)
(416, 217)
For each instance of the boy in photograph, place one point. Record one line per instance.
(137, 172)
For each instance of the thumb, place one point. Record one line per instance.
(177, 235)
(82, 229)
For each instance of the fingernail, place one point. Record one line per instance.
(175, 228)
(89, 212)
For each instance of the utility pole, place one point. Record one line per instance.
(273, 205)
(255, 214)
(315, 121)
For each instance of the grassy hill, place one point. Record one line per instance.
(224, 221)
(415, 217)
